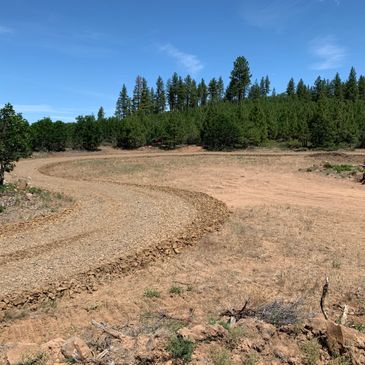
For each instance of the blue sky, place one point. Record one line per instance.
(66, 58)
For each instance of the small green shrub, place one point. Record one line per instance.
(180, 348)
(152, 293)
(310, 351)
(35, 190)
(177, 290)
(2, 209)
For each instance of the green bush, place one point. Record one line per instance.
(180, 348)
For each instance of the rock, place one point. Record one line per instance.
(22, 184)
(53, 350)
(77, 349)
(200, 332)
(21, 352)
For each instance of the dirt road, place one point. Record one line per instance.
(109, 222)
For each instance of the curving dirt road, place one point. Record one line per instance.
(111, 229)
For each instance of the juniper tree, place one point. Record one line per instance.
(14, 139)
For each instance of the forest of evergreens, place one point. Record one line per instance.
(329, 114)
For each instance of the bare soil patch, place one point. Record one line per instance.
(18, 204)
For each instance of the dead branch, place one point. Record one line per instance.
(104, 327)
(240, 313)
(344, 314)
(323, 297)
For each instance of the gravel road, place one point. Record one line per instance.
(108, 222)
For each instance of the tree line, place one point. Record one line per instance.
(327, 114)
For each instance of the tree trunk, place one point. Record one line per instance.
(2, 174)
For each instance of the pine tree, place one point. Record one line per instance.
(361, 87)
(172, 86)
(255, 91)
(101, 114)
(220, 86)
(337, 87)
(193, 95)
(181, 94)
(188, 82)
(202, 93)
(302, 91)
(160, 97)
(290, 89)
(264, 86)
(213, 90)
(123, 107)
(239, 80)
(351, 88)
(137, 93)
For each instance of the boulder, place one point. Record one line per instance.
(76, 349)
(202, 333)
(21, 352)
(53, 350)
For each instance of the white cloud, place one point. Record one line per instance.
(330, 54)
(189, 61)
(5, 30)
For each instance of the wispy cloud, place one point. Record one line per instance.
(190, 62)
(272, 13)
(337, 2)
(329, 53)
(277, 14)
(5, 30)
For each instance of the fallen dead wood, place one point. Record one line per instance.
(323, 297)
(104, 327)
(240, 313)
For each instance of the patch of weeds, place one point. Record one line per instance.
(358, 326)
(336, 264)
(252, 358)
(234, 336)
(59, 196)
(176, 290)
(2, 209)
(14, 314)
(310, 351)
(37, 359)
(341, 168)
(280, 313)
(212, 321)
(220, 356)
(225, 325)
(70, 360)
(180, 348)
(7, 188)
(36, 191)
(341, 360)
(152, 293)
(49, 305)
